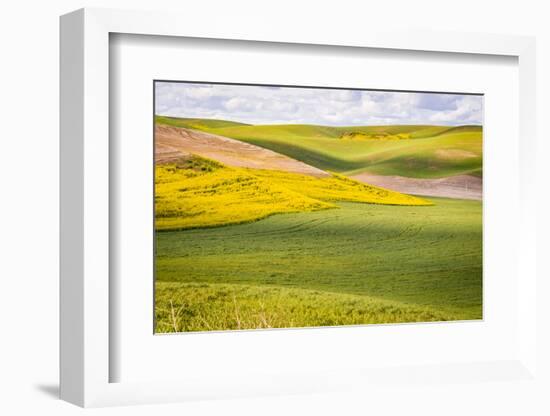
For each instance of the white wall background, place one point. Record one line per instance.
(29, 195)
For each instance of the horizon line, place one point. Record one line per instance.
(320, 125)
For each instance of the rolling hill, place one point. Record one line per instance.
(171, 143)
(430, 152)
(359, 264)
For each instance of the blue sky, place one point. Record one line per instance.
(284, 105)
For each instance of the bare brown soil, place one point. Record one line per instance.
(459, 186)
(172, 143)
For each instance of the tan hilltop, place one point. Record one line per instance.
(174, 142)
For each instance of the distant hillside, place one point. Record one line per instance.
(435, 152)
(196, 123)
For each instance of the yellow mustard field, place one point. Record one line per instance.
(197, 192)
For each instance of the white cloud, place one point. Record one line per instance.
(272, 105)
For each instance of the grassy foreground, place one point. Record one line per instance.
(197, 192)
(392, 263)
(183, 307)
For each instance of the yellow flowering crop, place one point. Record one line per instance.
(198, 192)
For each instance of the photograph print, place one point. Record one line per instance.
(294, 207)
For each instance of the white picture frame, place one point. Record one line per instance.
(85, 210)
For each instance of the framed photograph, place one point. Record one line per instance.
(280, 213)
(288, 207)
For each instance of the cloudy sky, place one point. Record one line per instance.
(284, 105)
